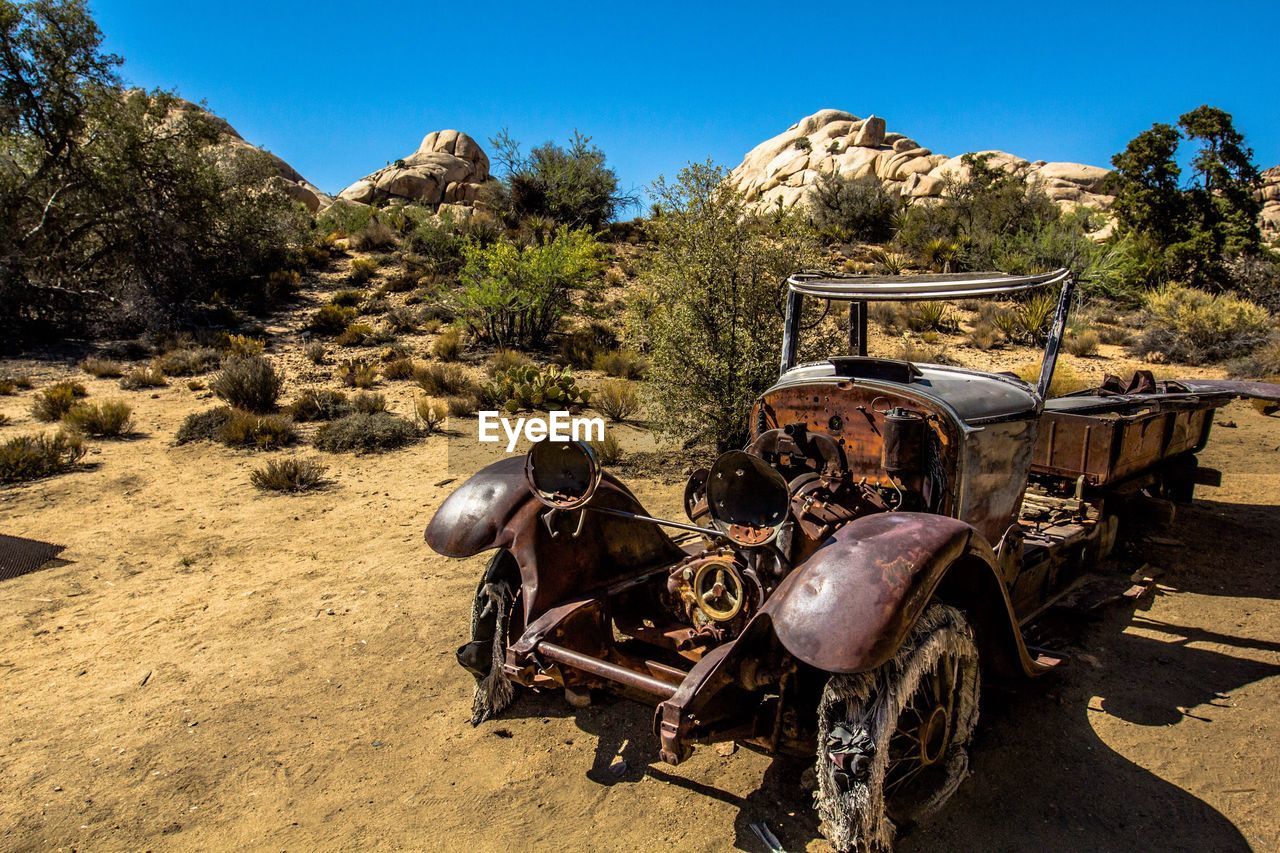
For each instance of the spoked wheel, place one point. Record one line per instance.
(893, 744)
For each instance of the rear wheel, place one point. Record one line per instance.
(893, 744)
(495, 606)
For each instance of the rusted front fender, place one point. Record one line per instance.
(571, 555)
(850, 606)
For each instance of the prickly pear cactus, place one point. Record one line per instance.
(528, 386)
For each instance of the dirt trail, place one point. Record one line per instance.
(209, 667)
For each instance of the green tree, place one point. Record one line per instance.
(848, 208)
(711, 305)
(571, 185)
(119, 209)
(1227, 179)
(1148, 197)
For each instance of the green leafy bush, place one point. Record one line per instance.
(110, 419)
(30, 457)
(54, 402)
(848, 208)
(569, 185)
(319, 404)
(289, 475)
(250, 383)
(1191, 326)
(365, 433)
(531, 387)
(515, 296)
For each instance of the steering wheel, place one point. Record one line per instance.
(718, 590)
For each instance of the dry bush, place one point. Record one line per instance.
(316, 352)
(430, 414)
(399, 368)
(55, 401)
(614, 277)
(347, 298)
(368, 403)
(365, 433)
(431, 325)
(401, 281)
(1262, 363)
(622, 363)
(580, 347)
(911, 351)
(448, 347)
(30, 457)
(244, 346)
(608, 450)
(616, 399)
(358, 373)
(189, 361)
(505, 359)
(462, 405)
(1082, 344)
(1115, 335)
(442, 380)
(110, 419)
(362, 269)
(103, 368)
(373, 307)
(289, 475)
(262, 432)
(376, 235)
(331, 319)
(202, 426)
(319, 404)
(402, 320)
(984, 337)
(4, 419)
(355, 335)
(1191, 326)
(1065, 379)
(887, 315)
(250, 383)
(195, 385)
(143, 377)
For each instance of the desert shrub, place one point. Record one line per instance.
(448, 346)
(362, 270)
(30, 457)
(368, 403)
(848, 208)
(984, 336)
(372, 237)
(262, 432)
(401, 281)
(1191, 326)
(622, 363)
(12, 383)
(887, 315)
(607, 449)
(430, 414)
(250, 383)
(347, 298)
(364, 433)
(243, 345)
(1115, 335)
(443, 379)
(921, 353)
(570, 185)
(319, 404)
(709, 305)
(1065, 379)
(202, 426)
(931, 316)
(316, 352)
(531, 387)
(580, 347)
(515, 296)
(614, 277)
(102, 368)
(394, 352)
(355, 335)
(462, 405)
(505, 359)
(402, 320)
(1082, 344)
(143, 377)
(400, 368)
(110, 419)
(331, 319)
(358, 373)
(1262, 363)
(374, 307)
(189, 361)
(195, 385)
(56, 400)
(616, 399)
(438, 245)
(289, 475)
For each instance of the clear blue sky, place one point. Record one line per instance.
(339, 89)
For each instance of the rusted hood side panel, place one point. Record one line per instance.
(849, 607)
(472, 519)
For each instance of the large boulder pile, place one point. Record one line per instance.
(1270, 218)
(783, 170)
(449, 167)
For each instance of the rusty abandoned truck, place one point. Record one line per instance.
(845, 582)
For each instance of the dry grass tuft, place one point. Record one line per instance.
(250, 383)
(616, 399)
(448, 346)
(358, 373)
(55, 401)
(290, 475)
(103, 368)
(443, 380)
(365, 433)
(143, 377)
(111, 419)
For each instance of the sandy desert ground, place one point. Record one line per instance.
(209, 667)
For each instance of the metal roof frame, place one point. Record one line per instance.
(908, 288)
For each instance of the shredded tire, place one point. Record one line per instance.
(494, 601)
(865, 708)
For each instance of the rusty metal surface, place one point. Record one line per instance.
(1107, 447)
(850, 606)
(996, 462)
(472, 518)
